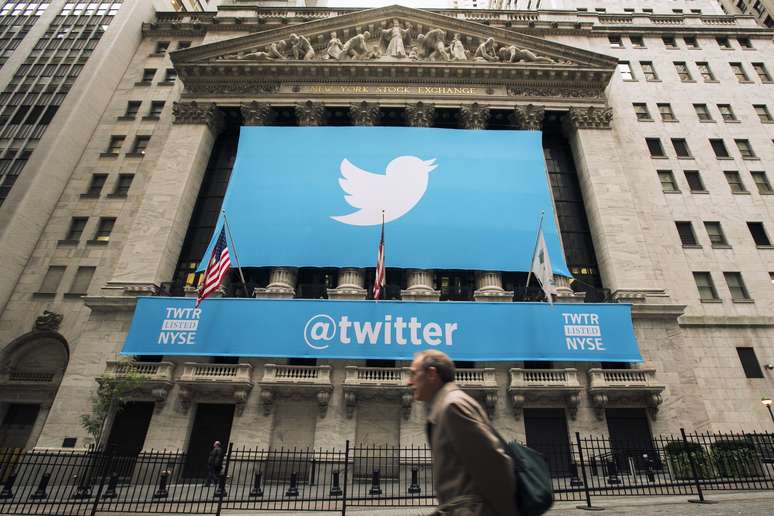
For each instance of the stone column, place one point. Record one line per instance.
(153, 244)
(282, 284)
(419, 286)
(351, 285)
(565, 294)
(420, 114)
(256, 113)
(364, 113)
(489, 287)
(529, 117)
(310, 113)
(474, 116)
(622, 252)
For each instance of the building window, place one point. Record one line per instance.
(132, 107)
(750, 365)
(735, 181)
(736, 286)
(758, 233)
(744, 42)
(693, 178)
(183, 45)
(719, 148)
(52, 279)
(705, 286)
(687, 236)
(668, 183)
(648, 70)
(682, 71)
(681, 148)
(739, 72)
(104, 229)
(706, 72)
(655, 148)
(637, 41)
(170, 75)
(763, 113)
(727, 112)
(723, 42)
(667, 115)
(116, 142)
(763, 74)
(156, 107)
(148, 74)
(669, 41)
(123, 184)
(758, 6)
(77, 224)
(715, 233)
(702, 112)
(81, 281)
(691, 42)
(140, 144)
(762, 182)
(642, 113)
(615, 41)
(626, 71)
(161, 47)
(95, 185)
(745, 149)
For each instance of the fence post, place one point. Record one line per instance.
(221, 491)
(694, 471)
(102, 477)
(346, 475)
(588, 506)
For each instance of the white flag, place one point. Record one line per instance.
(541, 267)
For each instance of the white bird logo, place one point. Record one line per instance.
(393, 193)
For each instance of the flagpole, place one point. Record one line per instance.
(236, 257)
(537, 241)
(381, 253)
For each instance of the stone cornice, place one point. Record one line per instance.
(750, 321)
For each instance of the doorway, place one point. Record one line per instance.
(631, 442)
(211, 423)
(17, 425)
(546, 430)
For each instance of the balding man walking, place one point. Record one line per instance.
(472, 473)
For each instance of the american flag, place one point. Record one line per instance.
(219, 264)
(380, 275)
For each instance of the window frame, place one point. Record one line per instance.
(641, 112)
(722, 143)
(684, 75)
(763, 186)
(698, 180)
(738, 291)
(649, 71)
(686, 234)
(667, 177)
(681, 148)
(661, 148)
(715, 234)
(745, 148)
(710, 286)
(757, 228)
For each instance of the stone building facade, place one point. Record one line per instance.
(659, 142)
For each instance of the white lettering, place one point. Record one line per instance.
(450, 328)
(367, 329)
(320, 330)
(432, 333)
(414, 326)
(344, 325)
(399, 327)
(387, 329)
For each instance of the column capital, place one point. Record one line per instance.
(309, 113)
(591, 117)
(198, 113)
(474, 116)
(420, 114)
(529, 117)
(256, 113)
(364, 113)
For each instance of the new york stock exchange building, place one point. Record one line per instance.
(644, 137)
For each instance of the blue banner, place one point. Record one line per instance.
(382, 330)
(315, 197)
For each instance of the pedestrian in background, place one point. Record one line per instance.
(214, 463)
(472, 473)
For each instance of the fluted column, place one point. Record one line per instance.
(310, 113)
(350, 285)
(419, 286)
(529, 117)
(161, 223)
(474, 116)
(565, 294)
(282, 284)
(256, 113)
(489, 287)
(420, 114)
(364, 113)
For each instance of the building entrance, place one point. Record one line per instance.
(546, 430)
(631, 442)
(127, 434)
(17, 425)
(212, 423)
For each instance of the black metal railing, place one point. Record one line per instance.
(82, 482)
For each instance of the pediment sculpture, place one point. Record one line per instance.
(400, 42)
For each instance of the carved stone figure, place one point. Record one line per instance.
(433, 45)
(514, 54)
(301, 48)
(356, 47)
(457, 49)
(486, 51)
(397, 36)
(49, 321)
(333, 51)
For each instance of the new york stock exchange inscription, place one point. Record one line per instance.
(370, 89)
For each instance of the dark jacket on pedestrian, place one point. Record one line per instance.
(473, 475)
(215, 459)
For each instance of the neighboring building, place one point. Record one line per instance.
(762, 10)
(120, 129)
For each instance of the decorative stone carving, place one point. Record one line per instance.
(273, 51)
(350, 402)
(197, 113)
(513, 54)
(653, 401)
(267, 400)
(405, 404)
(457, 50)
(256, 113)
(420, 114)
(490, 402)
(600, 402)
(396, 39)
(554, 92)
(334, 48)
(432, 46)
(323, 398)
(573, 400)
(474, 116)
(49, 321)
(364, 113)
(591, 117)
(232, 88)
(309, 113)
(517, 402)
(184, 397)
(486, 51)
(356, 47)
(300, 48)
(529, 117)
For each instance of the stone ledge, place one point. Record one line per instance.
(654, 311)
(726, 320)
(110, 303)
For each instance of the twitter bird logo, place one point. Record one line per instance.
(395, 193)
